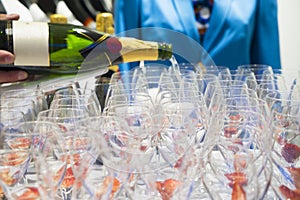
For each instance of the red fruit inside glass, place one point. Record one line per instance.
(290, 152)
(288, 193)
(167, 188)
(238, 192)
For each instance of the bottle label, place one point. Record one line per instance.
(31, 41)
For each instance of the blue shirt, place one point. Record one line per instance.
(240, 32)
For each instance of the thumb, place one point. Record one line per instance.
(6, 57)
(12, 76)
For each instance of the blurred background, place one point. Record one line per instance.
(289, 30)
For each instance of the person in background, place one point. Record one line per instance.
(8, 58)
(233, 32)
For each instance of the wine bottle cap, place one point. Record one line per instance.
(105, 22)
(58, 18)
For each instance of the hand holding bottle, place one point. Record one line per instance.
(7, 58)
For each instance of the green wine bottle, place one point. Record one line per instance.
(52, 48)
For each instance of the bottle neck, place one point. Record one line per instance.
(127, 49)
(137, 50)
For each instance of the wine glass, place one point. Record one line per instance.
(222, 72)
(30, 138)
(84, 95)
(133, 132)
(236, 158)
(221, 95)
(134, 76)
(176, 181)
(257, 69)
(87, 105)
(285, 157)
(182, 72)
(129, 159)
(248, 77)
(271, 85)
(155, 75)
(13, 116)
(50, 89)
(212, 87)
(129, 99)
(17, 97)
(123, 89)
(76, 92)
(277, 100)
(202, 81)
(68, 120)
(101, 182)
(15, 150)
(83, 150)
(176, 134)
(18, 109)
(48, 164)
(124, 156)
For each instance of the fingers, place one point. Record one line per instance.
(6, 57)
(12, 76)
(9, 16)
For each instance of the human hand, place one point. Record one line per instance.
(9, 16)
(8, 58)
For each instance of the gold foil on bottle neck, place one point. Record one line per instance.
(58, 18)
(134, 50)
